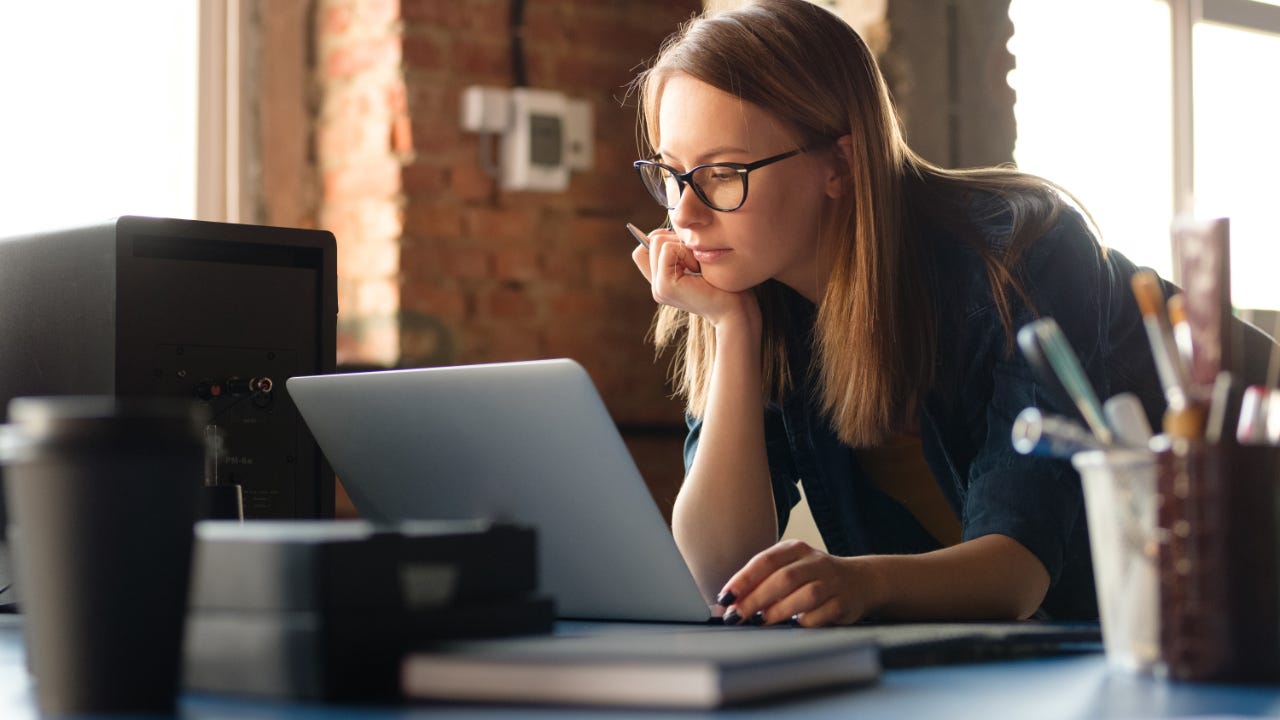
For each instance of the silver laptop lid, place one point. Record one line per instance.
(528, 442)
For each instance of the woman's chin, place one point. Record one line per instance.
(728, 282)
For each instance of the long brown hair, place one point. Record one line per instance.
(875, 335)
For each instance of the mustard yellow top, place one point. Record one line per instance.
(899, 470)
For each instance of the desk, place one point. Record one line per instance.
(1067, 687)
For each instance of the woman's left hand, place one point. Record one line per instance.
(793, 581)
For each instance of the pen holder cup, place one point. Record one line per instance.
(1219, 580)
(1120, 505)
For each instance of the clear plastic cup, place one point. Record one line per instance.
(1120, 503)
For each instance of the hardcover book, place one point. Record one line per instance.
(675, 669)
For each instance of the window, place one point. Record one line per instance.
(1237, 151)
(1094, 82)
(99, 115)
(1093, 113)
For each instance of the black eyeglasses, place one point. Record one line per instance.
(720, 186)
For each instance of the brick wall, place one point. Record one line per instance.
(436, 264)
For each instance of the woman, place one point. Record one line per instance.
(848, 323)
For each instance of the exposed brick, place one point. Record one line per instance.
(370, 339)
(547, 26)
(591, 233)
(517, 263)
(483, 15)
(437, 264)
(466, 263)
(379, 296)
(429, 51)
(421, 178)
(481, 60)
(564, 268)
(402, 135)
(505, 302)
(380, 345)
(615, 270)
(362, 55)
(336, 19)
(420, 261)
(381, 218)
(378, 15)
(490, 224)
(433, 221)
(344, 222)
(373, 177)
(434, 298)
(511, 343)
(368, 259)
(573, 304)
(426, 340)
(468, 181)
(337, 140)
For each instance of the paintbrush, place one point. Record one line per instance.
(1127, 417)
(1051, 347)
(1035, 433)
(1181, 329)
(1183, 418)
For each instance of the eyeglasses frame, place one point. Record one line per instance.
(685, 179)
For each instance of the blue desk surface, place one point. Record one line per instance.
(1075, 686)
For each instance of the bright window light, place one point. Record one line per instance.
(1237, 151)
(99, 114)
(1094, 112)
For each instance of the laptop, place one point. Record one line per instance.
(525, 442)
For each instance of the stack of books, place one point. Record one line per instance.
(325, 611)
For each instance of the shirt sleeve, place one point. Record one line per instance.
(1038, 501)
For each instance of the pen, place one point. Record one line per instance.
(639, 236)
(643, 239)
(1056, 351)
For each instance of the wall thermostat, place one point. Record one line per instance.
(542, 135)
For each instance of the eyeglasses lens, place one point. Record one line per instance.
(721, 187)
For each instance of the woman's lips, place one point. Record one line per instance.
(708, 255)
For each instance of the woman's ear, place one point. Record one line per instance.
(838, 179)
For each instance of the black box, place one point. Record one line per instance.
(354, 565)
(326, 610)
(162, 307)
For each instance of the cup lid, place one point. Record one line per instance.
(37, 419)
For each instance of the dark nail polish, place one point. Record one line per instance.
(732, 617)
(757, 619)
(726, 598)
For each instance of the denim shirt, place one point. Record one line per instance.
(981, 384)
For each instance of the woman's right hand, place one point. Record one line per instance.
(673, 275)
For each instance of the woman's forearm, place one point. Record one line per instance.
(993, 577)
(724, 512)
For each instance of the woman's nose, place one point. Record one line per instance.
(689, 209)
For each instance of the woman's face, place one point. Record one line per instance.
(775, 232)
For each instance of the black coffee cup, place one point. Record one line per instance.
(103, 495)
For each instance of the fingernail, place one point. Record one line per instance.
(757, 619)
(726, 598)
(732, 617)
